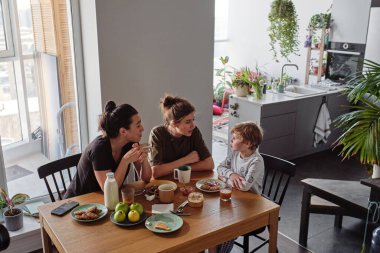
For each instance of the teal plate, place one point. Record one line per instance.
(127, 223)
(199, 184)
(173, 221)
(85, 207)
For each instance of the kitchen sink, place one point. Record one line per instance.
(299, 91)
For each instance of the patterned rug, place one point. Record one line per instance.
(15, 171)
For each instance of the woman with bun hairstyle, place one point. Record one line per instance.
(178, 142)
(113, 151)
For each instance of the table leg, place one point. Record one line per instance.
(304, 225)
(273, 230)
(46, 241)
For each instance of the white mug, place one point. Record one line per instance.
(182, 174)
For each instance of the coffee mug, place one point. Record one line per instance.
(182, 174)
(166, 193)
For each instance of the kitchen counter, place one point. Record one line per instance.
(274, 97)
(288, 122)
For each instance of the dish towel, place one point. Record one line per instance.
(322, 127)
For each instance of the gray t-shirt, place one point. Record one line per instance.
(250, 168)
(166, 148)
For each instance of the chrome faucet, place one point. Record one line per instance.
(282, 70)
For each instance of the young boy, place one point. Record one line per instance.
(243, 169)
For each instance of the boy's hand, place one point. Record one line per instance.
(237, 181)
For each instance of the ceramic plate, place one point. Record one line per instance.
(127, 223)
(103, 212)
(210, 180)
(173, 221)
(160, 182)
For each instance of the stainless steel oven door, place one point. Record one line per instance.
(343, 65)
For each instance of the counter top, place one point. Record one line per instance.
(272, 97)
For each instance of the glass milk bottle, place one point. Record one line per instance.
(111, 192)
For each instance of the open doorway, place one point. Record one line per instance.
(222, 74)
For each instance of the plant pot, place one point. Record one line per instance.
(241, 91)
(14, 222)
(376, 171)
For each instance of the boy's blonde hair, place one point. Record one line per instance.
(250, 132)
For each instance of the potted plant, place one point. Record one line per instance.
(361, 126)
(13, 217)
(242, 82)
(283, 29)
(224, 76)
(319, 21)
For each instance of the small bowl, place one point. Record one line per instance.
(186, 190)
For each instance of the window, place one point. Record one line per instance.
(6, 42)
(38, 102)
(221, 20)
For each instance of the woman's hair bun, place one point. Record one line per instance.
(168, 101)
(110, 106)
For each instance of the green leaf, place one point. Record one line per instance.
(19, 198)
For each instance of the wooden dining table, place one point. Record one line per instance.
(216, 222)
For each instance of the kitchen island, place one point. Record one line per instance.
(288, 121)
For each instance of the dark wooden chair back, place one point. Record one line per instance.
(275, 183)
(277, 176)
(61, 166)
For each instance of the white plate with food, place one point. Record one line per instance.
(89, 212)
(210, 185)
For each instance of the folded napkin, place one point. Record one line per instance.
(322, 126)
(162, 208)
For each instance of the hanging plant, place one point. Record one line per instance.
(283, 30)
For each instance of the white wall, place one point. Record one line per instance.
(147, 48)
(248, 36)
(91, 65)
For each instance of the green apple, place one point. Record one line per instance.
(133, 216)
(137, 206)
(121, 206)
(119, 216)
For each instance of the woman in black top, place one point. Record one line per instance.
(113, 151)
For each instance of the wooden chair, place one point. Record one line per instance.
(275, 183)
(59, 166)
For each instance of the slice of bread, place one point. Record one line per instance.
(162, 226)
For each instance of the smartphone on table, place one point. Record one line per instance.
(64, 208)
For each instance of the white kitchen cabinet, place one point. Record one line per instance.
(350, 21)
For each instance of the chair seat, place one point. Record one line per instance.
(317, 201)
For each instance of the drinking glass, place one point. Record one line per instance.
(225, 193)
(128, 195)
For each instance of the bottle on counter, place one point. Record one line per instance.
(111, 192)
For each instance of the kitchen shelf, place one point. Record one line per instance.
(320, 51)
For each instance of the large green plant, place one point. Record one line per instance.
(283, 30)
(362, 125)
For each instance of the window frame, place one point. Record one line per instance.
(9, 52)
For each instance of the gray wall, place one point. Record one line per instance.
(148, 48)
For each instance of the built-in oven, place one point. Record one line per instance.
(344, 61)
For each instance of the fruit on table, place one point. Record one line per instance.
(119, 216)
(133, 216)
(137, 207)
(121, 206)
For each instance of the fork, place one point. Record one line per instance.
(181, 207)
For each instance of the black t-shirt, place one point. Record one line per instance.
(97, 156)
